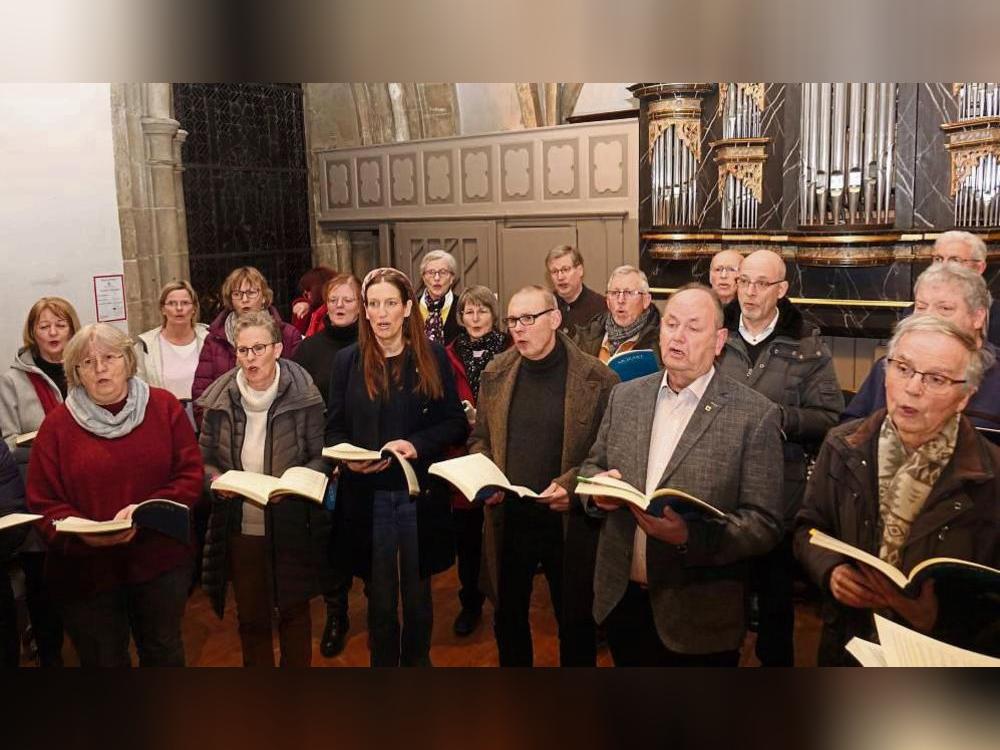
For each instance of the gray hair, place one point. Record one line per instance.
(436, 255)
(258, 319)
(625, 271)
(99, 333)
(972, 286)
(975, 243)
(980, 359)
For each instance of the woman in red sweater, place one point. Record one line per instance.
(115, 442)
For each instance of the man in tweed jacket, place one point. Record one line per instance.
(671, 590)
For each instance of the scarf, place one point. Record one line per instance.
(905, 481)
(254, 400)
(231, 329)
(97, 420)
(618, 335)
(434, 313)
(475, 354)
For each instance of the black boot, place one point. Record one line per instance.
(334, 635)
(467, 621)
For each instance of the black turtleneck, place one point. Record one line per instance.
(316, 353)
(53, 370)
(535, 420)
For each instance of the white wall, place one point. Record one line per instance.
(58, 206)
(604, 97)
(488, 108)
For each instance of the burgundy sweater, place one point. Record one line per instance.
(76, 473)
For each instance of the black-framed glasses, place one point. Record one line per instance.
(440, 274)
(745, 282)
(243, 351)
(932, 381)
(526, 319)
(247, 293)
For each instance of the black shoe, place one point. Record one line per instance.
(334, 636)
(467, 621)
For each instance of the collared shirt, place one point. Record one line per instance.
(671, 415)
(755, 338)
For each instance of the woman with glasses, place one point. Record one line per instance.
(437, 301)
(35, 385)
(115, 442)
(245, 290)
(395, 388)
(913, 481)
(265, 417)
(479, 341)
(342, 295)
(168, 354)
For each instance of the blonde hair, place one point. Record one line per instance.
(177, 286)
(254, 278)
(59, 307)
(98, 333)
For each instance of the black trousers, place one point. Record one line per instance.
(468, 525)
(771, 578)
(634, 642)
(10, 641)
(46, 622)
(533, 536)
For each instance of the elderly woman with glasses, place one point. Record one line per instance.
(115, 442)
(245, 290)
(265, 417)
(395, 388)
(959, 294)
(436, 300)
(913, 481)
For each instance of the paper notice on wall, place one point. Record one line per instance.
(109, 298)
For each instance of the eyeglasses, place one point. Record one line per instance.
(562, 271)
(726, 270)
(474, 312)
(247, 293)
(625, 293)
(527, 319)
(180, 305)
(345, 301)
(745, 282)
(258, 349)
(934, 382)
(437, 274)
(107, 360)
(954, 259)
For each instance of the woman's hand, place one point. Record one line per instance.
(404, 448)
(300, 309)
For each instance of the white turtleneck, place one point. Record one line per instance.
(256, 405)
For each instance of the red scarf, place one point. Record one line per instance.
(46, 395)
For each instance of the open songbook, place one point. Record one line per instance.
(900, 646)
(165, 516)
(261, 488)
(348, 452)
(26, 438)
(16, 519)
(910, 584)
(653, 504)
(477, 477)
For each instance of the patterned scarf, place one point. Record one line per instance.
(434, 313)
(231, 328)
(477, 353)
(618, 335)
(905, 481)
(99, 421)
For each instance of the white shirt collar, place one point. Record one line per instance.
(696, 387)
(754, 339)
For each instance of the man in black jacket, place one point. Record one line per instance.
(577, 303)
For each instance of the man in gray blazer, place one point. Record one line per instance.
(671, 590)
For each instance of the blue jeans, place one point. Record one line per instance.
(395, 568)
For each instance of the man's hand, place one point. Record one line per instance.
(671, 528)
(608, 504)
(851, 587)
(403, 447)
(921, 613)
(556, 497)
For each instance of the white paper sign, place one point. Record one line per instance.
(109, 298)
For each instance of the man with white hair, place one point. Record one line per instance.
(966, 249)
(631, 321)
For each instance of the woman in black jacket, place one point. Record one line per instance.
(11, 501)
(395, 389)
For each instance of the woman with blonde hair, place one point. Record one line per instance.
(245, 290)
(115, 442)
(168, 354)
(34, 385)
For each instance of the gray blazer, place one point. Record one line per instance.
(730, 456)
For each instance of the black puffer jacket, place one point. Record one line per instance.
(298, 531)
(11, 501)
